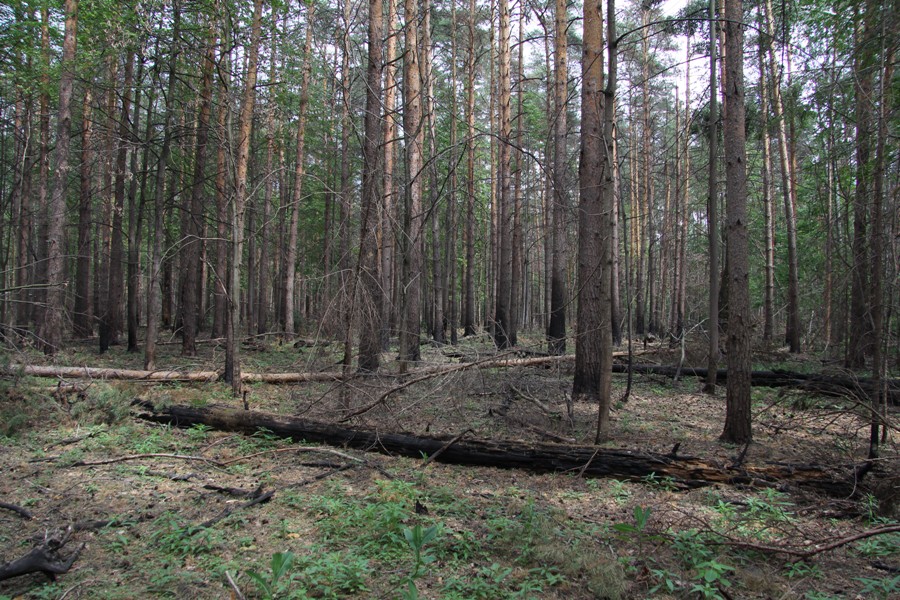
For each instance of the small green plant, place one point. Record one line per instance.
(888, 587)
(277, 581)
(417, 538)
(882, 545)
(800, 569)
(665, 483)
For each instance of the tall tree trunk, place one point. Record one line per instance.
(299, 171)
(593, 343)
(107, 200)
(223, 129)
(117, 243)
(768, 200)
(504, 325)
(451, 303)
(737, 416)
(712, 210)
(135, 210)
(370, 304)
(245, 127)
(414, 216)
(469, 315)
(154, 302)
(82, 317)
(191, 245)
(792, 333)
(42, 206)
(346, 189)
(436, 312)
(389, 205)
(52, 327)
(264, 272)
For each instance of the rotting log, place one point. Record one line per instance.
(163, 375)
(590, 461)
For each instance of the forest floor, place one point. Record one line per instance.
(343, 523)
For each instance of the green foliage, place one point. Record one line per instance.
(276, 582)
(887, 587)
(103, 405)
(172, 537)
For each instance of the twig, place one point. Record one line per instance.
(262, 497)
(818, 549)
(18, 510)
(544, 408)
(426, 376)
(84, 463)
(444, 447)
(294, 449)
(237, 590)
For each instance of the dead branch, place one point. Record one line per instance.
(109, 461)
(18, 510)
(817, 549)
(45, 559)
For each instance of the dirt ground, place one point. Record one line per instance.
(163, 512)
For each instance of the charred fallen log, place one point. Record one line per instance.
(590, 461)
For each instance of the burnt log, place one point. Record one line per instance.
(589, 461)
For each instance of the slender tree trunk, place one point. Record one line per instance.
(155, 284)
(135, 210)
(82, 317)
(191, 246)
(792, 333)
(768, 200)
(40, 208)
(414, 216)
(712, 210)
(452, 304)
(52, 327)
(346, 301)
(223, 129)
(245, 127)
(469, 318)
(107, 200)
(372, 194)
(264, 272)
(504, 325)
(388, 225)
(299, 171)
(117, 243)
(737, 416)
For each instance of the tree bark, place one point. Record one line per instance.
(52, 326)
(737, 416)
(245, 128)
(82, 317)
(712, 207)
(370, 305)
(414, 216)
(192, 244)
(504, 326)
(469, 311)
(299, 172)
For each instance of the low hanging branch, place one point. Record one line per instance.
(592, 461)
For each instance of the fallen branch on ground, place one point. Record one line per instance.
(43, 559)
(109, 461)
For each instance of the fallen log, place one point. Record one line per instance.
(857, 387)
(591, 461)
